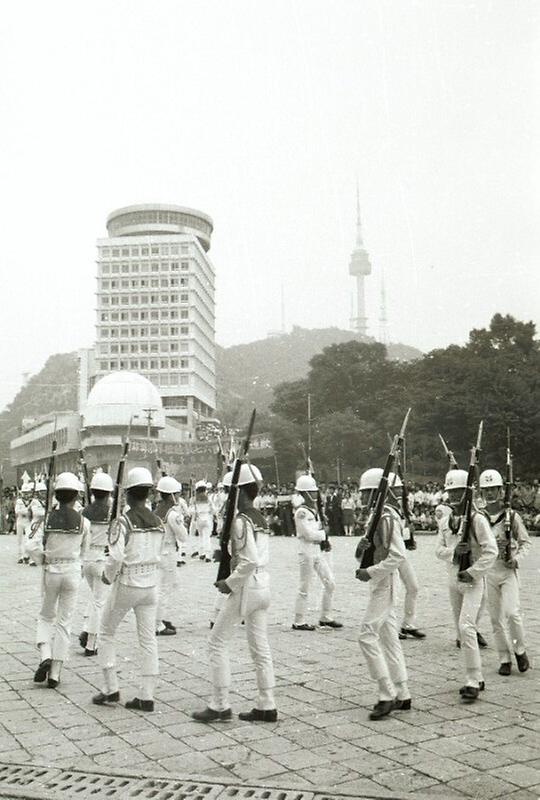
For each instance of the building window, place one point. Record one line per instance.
(184, 380)
(115, 252)
(134, 364)
(184, 298)
(184, 363)
(174, 363)
(143, 347)
(164, 249)
(155, 250)
(174, 347)
(165, 298)
(105, 269)
(114, 316)
(144, 251)
(104, 333)
(125, 268)
(154, 315)
(123, 364)
(104, 284)
(144, 315)
(124, 348)
(124, 316)
(134, 348)
(174, 281)
(175, 266)
(174, 313)
(114, 332)
(134, 315)
(185, 265)
(124, 332)
(184, 314)
(115, 269)
(135, 300)
(174, 330)
(164, 330)
(104, 301)
(164, 266)
(154, 283)
(144, 363)
(164, 313)
(174, 250)
(174, 298)
(134, 267)
(155, 266)
(164, 283)
(125, 251)
(124, 283)
(134, 251)
(154, 331)
(114, 300)
(154, 347)
(164, 380)
(184, 248)
(103, 365)
(164, 347)
(184, 330)
(154, 298)
(143, 331)
(154, 364)
(114, 284)
(104, 316)
(105, 252)
(133, 332)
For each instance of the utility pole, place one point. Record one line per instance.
(309, 425)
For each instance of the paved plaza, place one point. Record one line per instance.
(323, 741)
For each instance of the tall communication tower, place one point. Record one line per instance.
(383, 317)
(359, 267)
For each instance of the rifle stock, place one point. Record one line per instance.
(85, 475)
(464, 559)
(224, 569)
(116, 505)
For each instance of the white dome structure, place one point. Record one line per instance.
(121, 398)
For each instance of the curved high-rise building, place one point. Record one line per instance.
(155, 305)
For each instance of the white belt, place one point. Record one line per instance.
(61, 560)
(138, 569)
(98, 546)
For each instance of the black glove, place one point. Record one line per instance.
(325, 545)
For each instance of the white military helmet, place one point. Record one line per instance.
(41, 487)
(371, 478)
(139, 476)
(168, 485)
(249, 473)
(102, 481)
(209, 484)
(306, 483)
(67, 480)
(456, 479)
(26, 487)
(489, 478)
(200, 485)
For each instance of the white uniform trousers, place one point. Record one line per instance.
(255, 616)
(408, 576)
(204, 529)
(143, 601)
(311, 565)
(466, 600)
(378, 638)
(92, 571)
(57, 608)
(505, 611)
(166, 587)
(20, 528)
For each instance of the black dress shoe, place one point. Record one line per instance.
(469, 693)
(209, 715)
(20, 561)
(83, 638)
(42, 671)
(481, 687)
(505, 668)
(89, 653)
(330, 623)
(194, 555)
(52, 683)
(522, 661)
(401, 636)
(259, 715)
(33, 564)
(402, 705)
(169, 625)
(458, 644)
(303, 627)
(102, 699)
(381, 709)
(481, 641)
(414, 632)
(166, 632)
(140, 705)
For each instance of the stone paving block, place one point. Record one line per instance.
(360, 787)
(252, 733)
(450, 747)
(482, 787)
(338, 751)
(516, 752)
(257, 769)
(208, 740)
(298, 759)
(522, 775)
(403, 780)
(443, 769)
(379, 743)
(484, 759)
(162, 747)
(367, 763)
(272, 745)
(328, 775)
(188, 764)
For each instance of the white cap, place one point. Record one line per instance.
(67, 480)
(26, 487)
(102, 481)
(169, 485)
(138, 476)
(456, 479)
(394, 481)
(306, 483)
(41, 487)
(249, 473)
(489, 478)
(371, 478)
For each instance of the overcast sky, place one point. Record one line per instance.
(263, 113)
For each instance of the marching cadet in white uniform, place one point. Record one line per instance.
(201, 522)
(172, 517)
(60, 544)
(98, 513)
(135, 541)
(502, 578)
(378, 638)
(310, 534)
(218, 504)
(247, 591)
(466, 588)
(22, 521)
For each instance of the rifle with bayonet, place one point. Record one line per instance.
(84, 468)
(508, 487)
(116, 508)
(365, 548)
(223, 555)
(49, 491)
(326, 544)
(409, 543)
(452, 463)
(464, 530)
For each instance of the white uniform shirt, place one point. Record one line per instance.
(484, 549)
(309, 531)
(135, 555)
(250, 553)
(62, 551)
